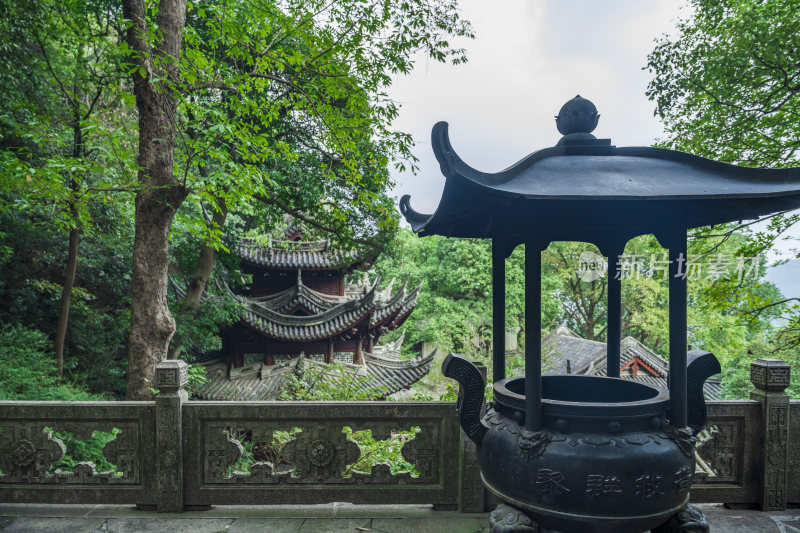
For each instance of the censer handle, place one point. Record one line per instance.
(470, 395)
(700, 365)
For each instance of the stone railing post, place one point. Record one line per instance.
(471, 491)
(171, 378)
(771, 378)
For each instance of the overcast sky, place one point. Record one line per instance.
(528, 58)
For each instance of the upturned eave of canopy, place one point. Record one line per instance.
(584, 192)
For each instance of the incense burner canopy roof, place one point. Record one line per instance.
(585, 189)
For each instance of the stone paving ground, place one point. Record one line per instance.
(331, 518)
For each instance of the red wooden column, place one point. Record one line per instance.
(329, 352)
(359, 356)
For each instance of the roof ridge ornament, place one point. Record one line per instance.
(576, 120)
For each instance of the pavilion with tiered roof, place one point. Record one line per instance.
(300, 311)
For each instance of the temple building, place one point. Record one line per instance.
(566, 352)
(299, 311)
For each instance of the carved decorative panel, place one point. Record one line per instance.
(28, 453)
(719, 450)
(320, 453)
(423, 453)
(221, 451)
(775, 469)
(793, 482)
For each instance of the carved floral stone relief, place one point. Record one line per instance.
(320, 453)
(28, 451)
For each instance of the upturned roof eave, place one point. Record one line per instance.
(471, 198)
(308, 335)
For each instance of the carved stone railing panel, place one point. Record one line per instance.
(222, 445)
(30, 449)
(221, 452)
(423, 453)
(720, 452)
(27, 453)
(320, 453)
(793, 490)
(727, 453)
(388, 438)
(319, 461)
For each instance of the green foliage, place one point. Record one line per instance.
(30, 287)
(454, 307)
(387, 451)
(256, 451)
(328, 382)
(66, 154)
(284, 108)
(197, 377)
(64, 141)
(725, 87)
(725, 84)
(89, 450)
(27, 370)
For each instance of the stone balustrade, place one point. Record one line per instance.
(171, 454)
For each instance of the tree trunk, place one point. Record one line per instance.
(74, 235)
(205, 264)
(66, 292)
(199, 281)
(152, 325)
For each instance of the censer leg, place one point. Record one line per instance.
(507, 519)
(688, 520)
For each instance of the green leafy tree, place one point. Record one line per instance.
(31, 276)
(329, 382)
(60, 120)
(454, 307)
(220, 87)
(726, 85)
(27, 372)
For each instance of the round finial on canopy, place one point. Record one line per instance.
(578, 115)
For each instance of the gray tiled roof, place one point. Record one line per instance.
(298, 295)
(332, 316)
(290, 255)
(392, 376)
(563, 345)
(332, 321)
(589, 357)
(256, 382)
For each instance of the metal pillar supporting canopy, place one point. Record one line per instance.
(550, 430)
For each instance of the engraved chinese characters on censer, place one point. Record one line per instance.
(594, 453)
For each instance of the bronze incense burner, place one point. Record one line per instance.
(585, 453)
